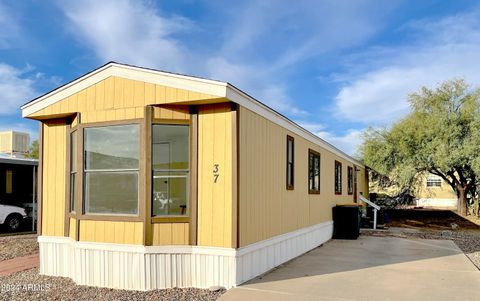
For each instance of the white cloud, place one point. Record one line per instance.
(257, 81)
(16, 88)
(440, 50)
(348, 142)
(128, 31)
(257, 50)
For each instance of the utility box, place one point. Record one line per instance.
(346, 222)
(15, 144)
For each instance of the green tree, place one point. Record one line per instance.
(33, 152)
(440, 135)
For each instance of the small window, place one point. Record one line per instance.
(434, 181)
(111, 166)
(9, 182)
(290, 162)
(313, 172)
(171, 169)
(350, 179)
(338, 177)
(73, 171)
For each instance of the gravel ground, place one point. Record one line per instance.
(16, 287)
(467, 240)
(17, 245)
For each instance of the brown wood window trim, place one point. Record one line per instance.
(350, 180)
(192, 169)
(80, 211)
(338, 177)
(290, 184)
(315, 154)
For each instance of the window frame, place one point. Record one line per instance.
(185, 217)
(434, 180)
(290, 186)
(86, 172)
(315, 154)
(70, 160)
(350, 180)
(192, 156)
(81, 214)
(338, 167)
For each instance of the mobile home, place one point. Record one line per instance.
(151, 179)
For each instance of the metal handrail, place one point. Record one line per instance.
(375, 209)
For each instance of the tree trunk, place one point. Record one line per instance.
(462, 201)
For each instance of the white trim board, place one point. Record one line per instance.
(216, 88)
(137, 267)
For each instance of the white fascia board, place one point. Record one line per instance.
(255, 106)
(215, 88)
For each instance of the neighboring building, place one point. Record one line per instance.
(14, 144)
(18, 184)
(154, 180)
(434, 192)
(430, 191)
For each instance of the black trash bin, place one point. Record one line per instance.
(346, 222)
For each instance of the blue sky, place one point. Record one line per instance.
(335, 67)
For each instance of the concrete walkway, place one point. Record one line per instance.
(18, 264)
(370, 268)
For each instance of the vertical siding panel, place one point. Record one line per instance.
(138, 233)
(129, 233)
(159, 94)
(100, 231)
(139, 94)
(149, 94)
(109, 232)
(165, 234)
(119, 232)
(91, 100)
(128, 90)
(170, 94)
(109, 92)
(100, 95)
(119, 100)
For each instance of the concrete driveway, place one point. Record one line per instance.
(370, 268)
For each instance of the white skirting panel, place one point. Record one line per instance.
(155, 267)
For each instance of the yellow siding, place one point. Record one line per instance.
(215, 199)
(112, 232)
(266, 208)
(170, 234)
(73, 228)
(114, 93)
(54, 175)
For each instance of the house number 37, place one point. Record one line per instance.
(216, 173)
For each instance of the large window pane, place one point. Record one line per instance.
(111, 192)
(170, 164)
(170, 147)
(170, 193)
(112, 147)
(111, 169)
